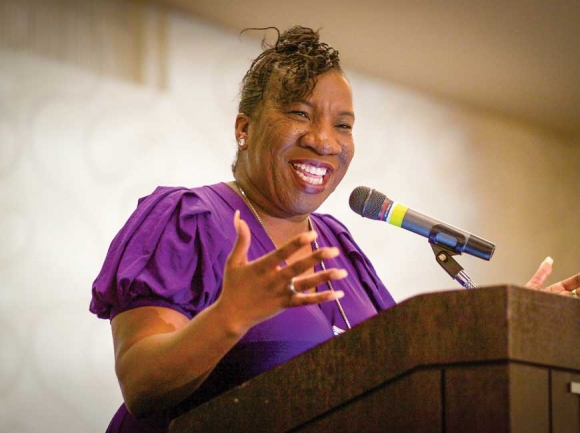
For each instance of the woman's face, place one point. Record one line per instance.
(297, 153)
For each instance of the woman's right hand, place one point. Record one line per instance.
(254, 291)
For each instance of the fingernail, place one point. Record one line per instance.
(334, 251)
(311, 235)
(341, 273)
(338, 294)
(236, 220)
(549, 260)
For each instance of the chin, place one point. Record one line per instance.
(309, 203)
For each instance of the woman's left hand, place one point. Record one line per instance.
(565, 287)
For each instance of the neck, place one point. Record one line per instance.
(279, 229)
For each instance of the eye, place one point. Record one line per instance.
(346, 126)
(300, 113)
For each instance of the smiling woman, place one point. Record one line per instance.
(207, 287)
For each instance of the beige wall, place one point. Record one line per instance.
(81, 140)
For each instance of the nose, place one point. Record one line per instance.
(322, 139)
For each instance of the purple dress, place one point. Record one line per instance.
(171, 253)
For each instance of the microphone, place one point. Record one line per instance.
(372, 204)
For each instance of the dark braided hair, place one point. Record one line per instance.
(296, 59)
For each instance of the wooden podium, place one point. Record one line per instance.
(495, 359)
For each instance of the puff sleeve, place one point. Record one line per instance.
(170, 253)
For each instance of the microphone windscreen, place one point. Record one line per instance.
(366, 202)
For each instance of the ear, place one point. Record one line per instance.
(242, 126)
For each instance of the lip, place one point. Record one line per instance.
(307, 184)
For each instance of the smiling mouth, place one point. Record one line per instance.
(310, 174)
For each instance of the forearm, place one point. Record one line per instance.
(161, 369)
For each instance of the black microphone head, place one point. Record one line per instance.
(366, 202)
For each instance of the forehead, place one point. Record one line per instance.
(331, 86)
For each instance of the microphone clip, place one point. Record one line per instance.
(444, 256)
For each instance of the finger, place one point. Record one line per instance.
(571, 283)
(306, 263)
(239, 254)
(539, 278)
(285, 251)
(302, 299)
(312, 281)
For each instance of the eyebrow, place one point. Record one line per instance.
(341, 113)
(347, 113)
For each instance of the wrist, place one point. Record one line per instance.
(229, 318)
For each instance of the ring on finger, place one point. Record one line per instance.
(292, 288)
(574, 294)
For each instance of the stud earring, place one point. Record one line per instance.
(241, 142)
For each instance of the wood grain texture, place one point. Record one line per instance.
(456, 332)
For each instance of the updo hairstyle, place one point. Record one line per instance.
(297, 58)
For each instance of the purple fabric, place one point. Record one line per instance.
(171, 253)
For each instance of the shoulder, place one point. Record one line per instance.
(171, 241)
(332, 226)
(179, 204)
(171, 196)
(175, 215)
(330, 223)
(329, 220)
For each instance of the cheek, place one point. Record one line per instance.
(347, 152)
(279, 134)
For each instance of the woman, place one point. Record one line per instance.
(210, 286)
(197, 308)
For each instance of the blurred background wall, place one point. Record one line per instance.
(101, 101)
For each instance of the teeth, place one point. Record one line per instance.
(311, 180)
(317, 171)
(316, 174)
